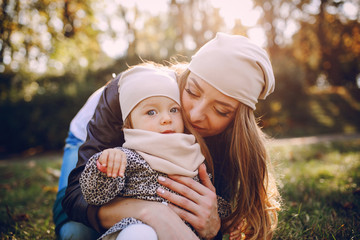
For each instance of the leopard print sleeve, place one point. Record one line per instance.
(96, 186)
(224, 207)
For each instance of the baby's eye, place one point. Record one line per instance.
(151, 112)
(174, 110)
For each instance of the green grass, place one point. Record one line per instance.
(28, 189)
(320, 187)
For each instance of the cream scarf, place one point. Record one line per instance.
(175, 153)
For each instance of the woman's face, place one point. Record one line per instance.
(210, 112)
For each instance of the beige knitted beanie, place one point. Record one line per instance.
(236, 67)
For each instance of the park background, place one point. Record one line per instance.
(54, 54)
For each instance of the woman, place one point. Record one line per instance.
(219, 91)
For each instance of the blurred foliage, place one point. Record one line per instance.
(54, 54)
(51, 34)
(40, 123)
(327, 41)
(297, 110)
(333, 47)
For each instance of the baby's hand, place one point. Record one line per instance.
(113, 162)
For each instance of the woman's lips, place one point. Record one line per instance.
(196, 127)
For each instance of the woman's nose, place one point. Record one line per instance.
(197, 113)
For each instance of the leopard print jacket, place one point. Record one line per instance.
(140, 181)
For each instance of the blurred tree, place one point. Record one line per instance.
(326, 41)
(44, 37)
(195, 22)
(179, 27)
(328, 45)
(277, 19)
(31, 30)
(56, 37)
(181, 30)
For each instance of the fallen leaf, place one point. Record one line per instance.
(348, 205)
(31, 164)
(17, 217)
(5, 186)
(54, 172)
(53, 189)
(21, 217)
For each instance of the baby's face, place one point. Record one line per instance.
(158, 114)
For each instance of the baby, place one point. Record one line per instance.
(155, 145)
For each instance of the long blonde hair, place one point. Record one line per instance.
(253, 192)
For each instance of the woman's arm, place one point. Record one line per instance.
(199, 199)
(103, 131)
(166, 222)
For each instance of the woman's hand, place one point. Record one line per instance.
(198, 199)
(166, 222)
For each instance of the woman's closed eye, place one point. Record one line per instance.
(188, 90)
(223, 113)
